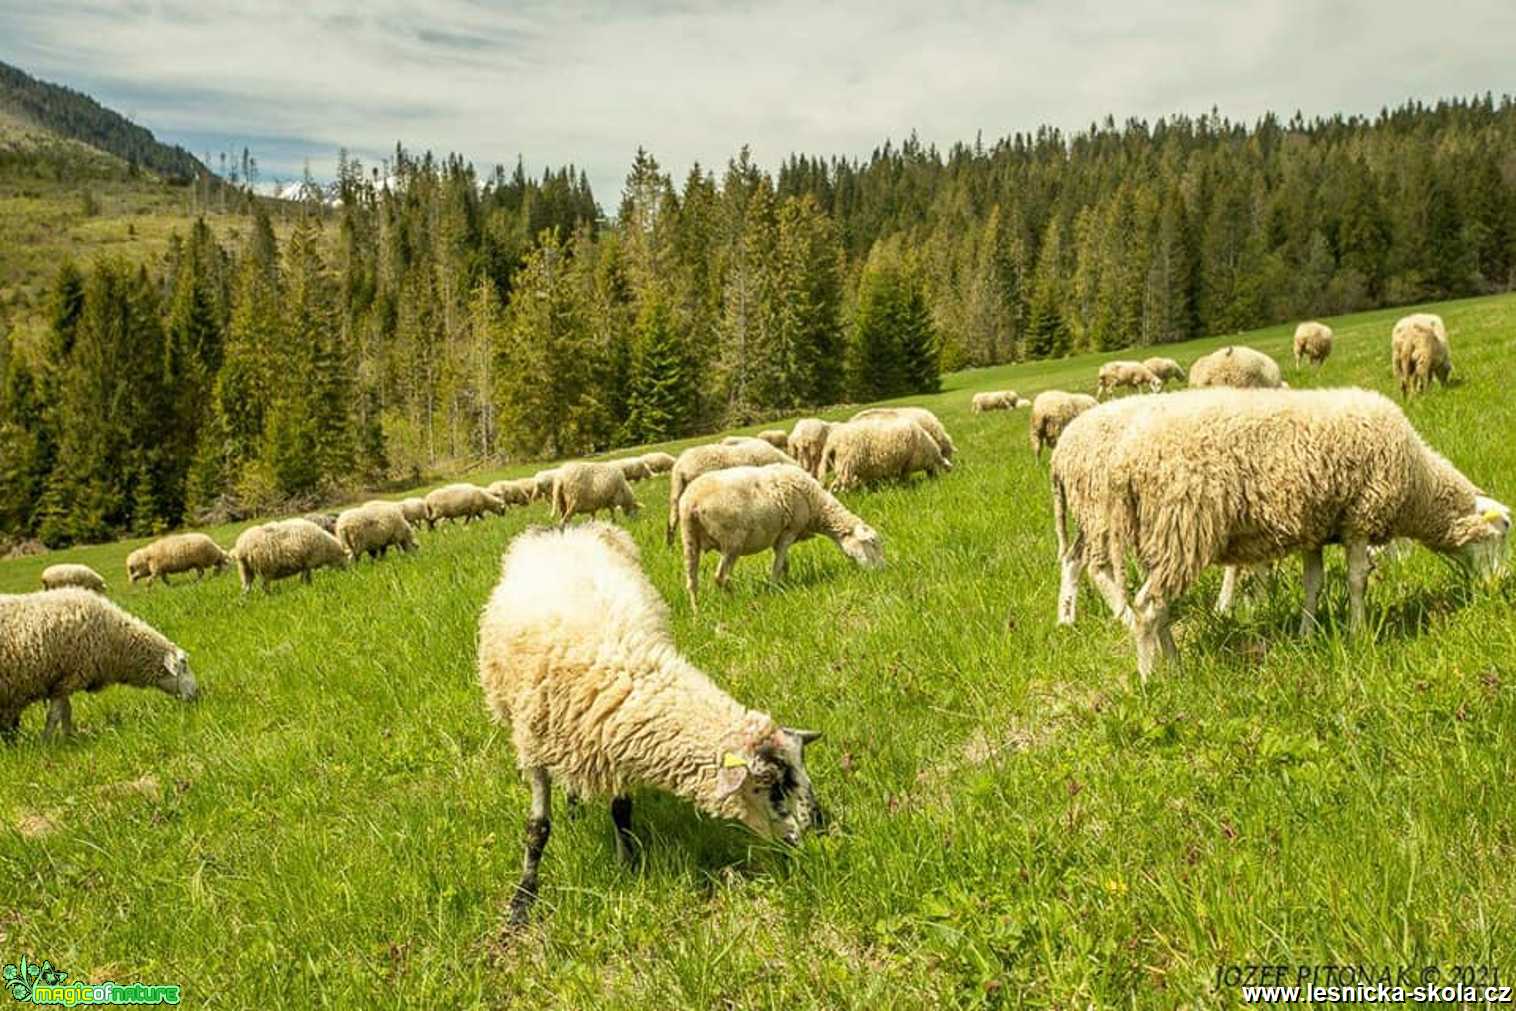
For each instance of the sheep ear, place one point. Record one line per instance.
(731, 773)
(804, 737)
(175, 662)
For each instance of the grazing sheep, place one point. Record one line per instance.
(776, 437)
(587, 488)
(55, 577)
(460, 502)
(1236, 366)
(921, 416)
(326, 521)
(517, 492)
(576, 655)
(633, 468)
(1133, 374)
(1165, 369)
(542, 484)
(414, 510)
(1419, 351)
(285, 548)
(698, 460)
(876, 448)
(1052, 410)
(373, 528)
(1213, 478)
(658, 463)
(744, 510)
(998, 400)
(807, 440)
(1313, 343)
(58, 642)
(175, 553)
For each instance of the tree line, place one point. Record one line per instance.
(428, 318)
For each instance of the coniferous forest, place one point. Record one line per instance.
(423, 318)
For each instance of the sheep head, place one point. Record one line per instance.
(863, 545)
(1481, 538)
(766, 783)
(177, 679)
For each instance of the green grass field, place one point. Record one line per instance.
(335, 823)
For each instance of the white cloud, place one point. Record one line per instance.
(562, 82)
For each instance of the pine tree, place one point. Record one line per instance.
(920, 358)
(659, 402)
(877, 363)
(1047, 335)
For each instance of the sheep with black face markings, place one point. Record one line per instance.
(577, 657)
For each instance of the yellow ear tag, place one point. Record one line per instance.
(1491, 515)
(732, 760)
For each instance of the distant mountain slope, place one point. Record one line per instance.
(71, 114)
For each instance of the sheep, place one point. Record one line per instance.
(698, 460)
(1313, 343)
(175, 553)
(658, 463)
(326, 521)
(1210, 477)
(588, 488)
(776, 437)
(58, 642)
(807, 440)
(1052, 410)
(542, 484)
(517, 492)
(414, 510)
(633, 468)
(921, 416)
(460, 501)
(744, 510)
(1236, 366)
(1133, 374)
(576, 655)
(285, 548)
(861, 452)
(57, 576)
(997, 400)
(1419, 351)
(372, 528)
(1165, 369)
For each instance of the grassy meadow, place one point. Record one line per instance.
(1017, 821)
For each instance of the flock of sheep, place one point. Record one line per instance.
(575, 652)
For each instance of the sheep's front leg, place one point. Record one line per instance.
(692, 567)
(724, 570)
(781, 559)
(1071, 566)
(1111, 587)
(1228, 590)
(539, 826)
(10, 724)
(1358, 581)
(1312, 580)
(621, 817)
(60, 718)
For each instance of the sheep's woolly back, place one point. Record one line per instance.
(747, 508)
(1165, 369)
(55, 577)
(285, 548)
(175, 553)
(372, 527)
(1125, 373)
(1419, 351)
(542, 483)
(57, 642)
(633, 468)
(1217, 477)
(414, 510)
(589, 487)
(1236, 366)
(996, 400)
(658, 463)
(513, 492)
(921, 416)
(1080, 474)
(876, 448)
(698, 460)
(575, 654)
(776, 437)
(462, 500)
(1313, 342)
(807, 440)
(1052, 410)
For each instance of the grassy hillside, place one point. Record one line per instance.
(335, 822)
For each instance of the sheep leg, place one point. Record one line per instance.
(692, 565)
(1072, 565)
(1150, 618)
(164, 576)
(781, 559)
(539, 825)
(724, 570)
(10, 724)
(1358, 581)
(60, 718)
(1312, 580)
(1228, 590)
(1111, 587)
(199, 575)
(305, 577)
(621, 817)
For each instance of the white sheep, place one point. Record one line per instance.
(373, 528)
(414, 510)
(1165, 369)
(58, 642)
(513, 492)
(921, 416)
(1134, 374)
(460, 502)
(633, 468)
(997, 400)
(807, 440)
(1211, 477)
(1052, 410)
(55, 577)
(285, 548)
(585, 488)
(1236, 366)
(1419, 352)
(698, 460)
(576, 655)
(879, 448)
(542, 484)
(658, 462)
(744, 510)
(1313, 343)
(175, 553)
(326, 521)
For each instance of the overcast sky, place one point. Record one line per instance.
(587, 83)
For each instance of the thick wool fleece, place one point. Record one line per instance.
(658, 463)
(996, 400)
(175, 553)
(1313, 343)
(373, 528)
(1419, 352)
(699, 460)
(1134, 374)
(285, 548)
(1236, 366)
(1165, 368)
(461, 501)
(55, 577)
(807, 440)
(1052, 410)
(587, 488)
(921, 416)
(876, 448)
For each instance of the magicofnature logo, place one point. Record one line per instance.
(42, 983)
